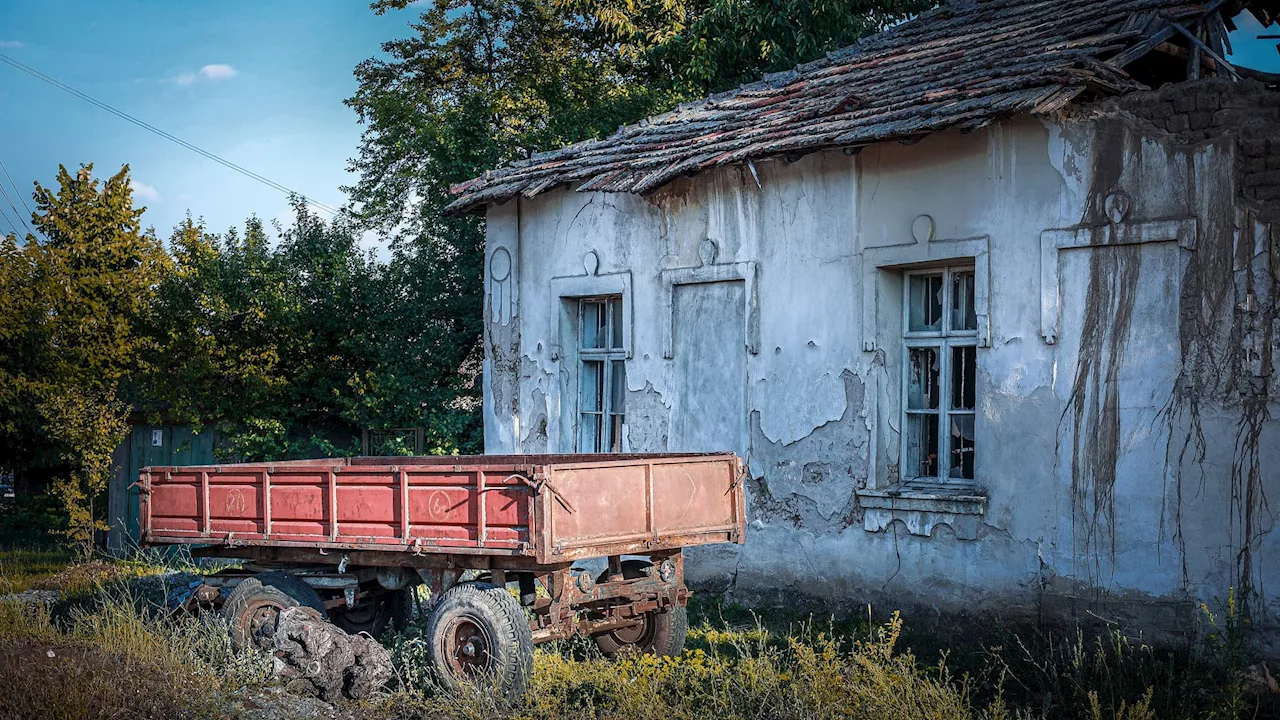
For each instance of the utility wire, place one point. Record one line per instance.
(16, 211)
(125, 116)
(21, 199)
(12, 228)
(15, 188)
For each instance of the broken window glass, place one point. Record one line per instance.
(940, 361)
(964, 370)
(922, 445)
(592, 404)
(595, 320)
(603, 380)
(922, 379)
(925, 314)
(617, 400)
(962, 446)
(615, 323)
(964, 315)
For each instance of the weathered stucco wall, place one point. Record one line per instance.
(1126, 392)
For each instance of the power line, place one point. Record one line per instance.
(21, 199)
(125, 116)
(15, 188)
(12, 228)
(16, 211)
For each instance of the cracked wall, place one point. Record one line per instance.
(1102, 449)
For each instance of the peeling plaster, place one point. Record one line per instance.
(1150, 421)
(811, 480)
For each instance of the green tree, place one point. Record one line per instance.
(698, 47)
(74, 302)
(219, 320)
(478, 84)
(292, 349)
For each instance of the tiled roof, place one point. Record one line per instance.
(962, 65)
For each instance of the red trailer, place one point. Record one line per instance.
(352, 537)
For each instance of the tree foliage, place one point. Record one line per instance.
(292, 343)
(74, 300)
(704, 46)
(481, 83)
(293, 348)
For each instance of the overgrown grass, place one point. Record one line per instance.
(740, 674)
(21, 569)
(117, 657)
(117, 654)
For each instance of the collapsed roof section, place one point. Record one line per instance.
(961, 66)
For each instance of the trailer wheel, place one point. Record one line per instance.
(254, 606)
(477, 634)
(662, 632)
(394, 608)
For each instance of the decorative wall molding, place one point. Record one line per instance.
(888, 258)
(501, 271)
(711, 272)
(921, 512)
(1182, 231)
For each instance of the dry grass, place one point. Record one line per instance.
(56, 570)
(117, 655)
(107, 653)
(21, 570)
(741, 674)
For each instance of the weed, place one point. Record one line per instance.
(116, 652)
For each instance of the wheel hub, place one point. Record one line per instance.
(471, 649)
(636, 636)
(260, 623)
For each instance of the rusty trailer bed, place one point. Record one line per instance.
(548, 509)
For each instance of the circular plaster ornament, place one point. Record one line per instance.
(1117, 206)
(500, 265)
(922, 228)
(708, 251)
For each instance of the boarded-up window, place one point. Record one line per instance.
(940, 338)
(602, 375)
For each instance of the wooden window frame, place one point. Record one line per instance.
(943, 341)
(607, 356)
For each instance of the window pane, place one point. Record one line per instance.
(922, 446)
(592, 386)
(963, 314)
(618, 379)
(594, 322)
(615, 314)
(589, 440)
(925, 313)
(922, 379)
(964, 373)
(615, 433)
(962, 446)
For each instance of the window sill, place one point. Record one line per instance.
(922, 508)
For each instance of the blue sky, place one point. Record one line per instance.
(258, 83)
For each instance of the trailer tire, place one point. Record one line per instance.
(253, 607)
(394, 608)
(663, 632)
(477, 634)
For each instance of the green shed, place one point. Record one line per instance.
(148, 445)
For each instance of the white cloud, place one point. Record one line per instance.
(208, 73)
(143, 191)
(11, 44)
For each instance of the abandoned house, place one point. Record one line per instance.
(987, 301)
